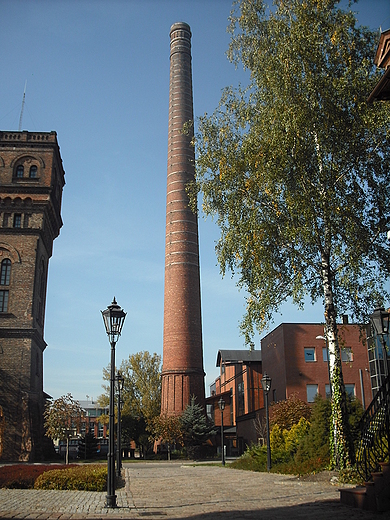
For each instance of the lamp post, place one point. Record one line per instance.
(380, 323)
(119, 381)
(266, 384)
(113, 318)
(221, 404)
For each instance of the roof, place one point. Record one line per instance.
(381, 91)
(238, 356)
(91, 405)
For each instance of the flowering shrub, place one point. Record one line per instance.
(23, 476)
(83, 478)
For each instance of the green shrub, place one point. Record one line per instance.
(254, 459)
(315, 445)
(83, 478)
(303, 447)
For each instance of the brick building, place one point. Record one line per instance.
(295, 356)
(31, 183)
(239, 385)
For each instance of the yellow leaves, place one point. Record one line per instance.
(222, 168)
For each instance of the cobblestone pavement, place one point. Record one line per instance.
(183, 490)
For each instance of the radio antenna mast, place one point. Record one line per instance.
(21, 112)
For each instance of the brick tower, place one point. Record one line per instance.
(31, 183)
(182, 372)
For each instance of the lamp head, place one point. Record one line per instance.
(221, 404)
(113, 318)
(380, 321)
(266, 382)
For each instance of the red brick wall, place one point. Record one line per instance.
(284, 361)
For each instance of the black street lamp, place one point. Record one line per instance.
(266, 384)
(221, 404)
(380, 328)
(119, 381)
(113, 318)
(380, 320)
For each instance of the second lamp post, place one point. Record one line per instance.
(119, 380)
(221, 404)
(266, 384)
(113, 318)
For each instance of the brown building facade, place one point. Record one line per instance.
(182, 371)
(31, 183)
(294, 355)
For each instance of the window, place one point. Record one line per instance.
(5, 275)
(17, 220)
(346, 354)
(33, 172)
(350, 390)
(327, 390)
(325, 354)
(6, 218)
(310, 354)
(5, 271)
(20, 171)
(311, 392)
(3, 301)
(240, 398)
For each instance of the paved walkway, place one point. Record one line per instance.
(181, 490)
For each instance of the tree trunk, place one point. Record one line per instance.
(339, 445)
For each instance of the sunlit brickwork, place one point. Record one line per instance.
(31, 183)
(183, 373)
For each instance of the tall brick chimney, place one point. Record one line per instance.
(182, 372)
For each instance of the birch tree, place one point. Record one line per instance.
(294, 167)
(63, 418)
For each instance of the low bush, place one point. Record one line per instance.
(302, 448)
(23, 476)
(82, 478)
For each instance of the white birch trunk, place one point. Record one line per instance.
(338, 440)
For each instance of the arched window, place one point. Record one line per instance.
(5, 271)
(5, 275)
(20, 171)
(33, 172)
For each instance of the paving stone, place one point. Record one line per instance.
(170, 490)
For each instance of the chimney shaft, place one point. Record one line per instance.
(182, 372)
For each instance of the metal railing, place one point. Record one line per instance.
(374, 444)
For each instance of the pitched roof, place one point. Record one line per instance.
(238, 356)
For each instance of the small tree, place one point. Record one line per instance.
(167, 429)
(141, 395)
(288, 412)
(63, 418)
(195, 426)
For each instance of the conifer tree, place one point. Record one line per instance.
(196, 429)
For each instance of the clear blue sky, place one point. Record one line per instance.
(97, 73)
